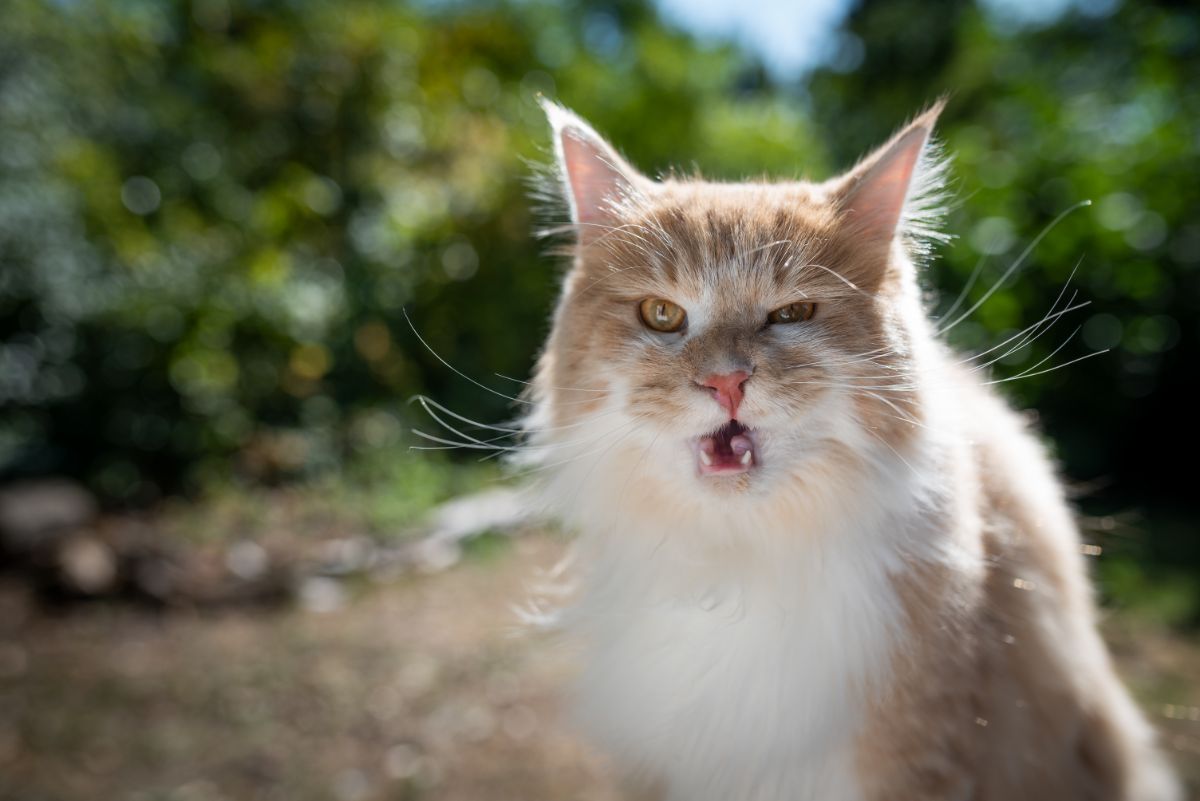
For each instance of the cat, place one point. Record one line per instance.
(818, 557)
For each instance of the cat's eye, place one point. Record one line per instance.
(662, 315)
(796, 312)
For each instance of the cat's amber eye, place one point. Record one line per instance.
(796, 312)
(662, 315)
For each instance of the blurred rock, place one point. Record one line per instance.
(434, 554)
(346, 555)
(155, 577)
(88, 565)
(322, 594)
(32, 512)
(69, 553)
(247, 560)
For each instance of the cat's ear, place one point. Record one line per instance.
(598, 183)
(896, 191)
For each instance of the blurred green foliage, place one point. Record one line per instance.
(1098, 106)
(213, 214)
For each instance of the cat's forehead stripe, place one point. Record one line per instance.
(748, 242)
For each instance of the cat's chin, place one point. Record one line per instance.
(729, 451)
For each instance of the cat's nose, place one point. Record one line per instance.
(728, 389)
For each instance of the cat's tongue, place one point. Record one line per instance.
(727, 450)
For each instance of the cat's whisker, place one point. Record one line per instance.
(1027, 337)
(838, 276)
(622, 232)
(767, 246)
(584, 440)
(904, 416)
(612, 274)
(846, 384)
(542, 467)
(860, 358)
(426, 402)
(464, 376)
(475, 445)
(1048, 356)
(962, 296)
(1022, 338)
(928, 381)
(611, 235)
(470, 440)
(547, 386)
(1030, 334)
(529, 447)
(454, 369)
(1049, 369)
(849, 359)
(870, 430)
(1012, 268)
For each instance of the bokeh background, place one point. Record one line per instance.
(221, 575)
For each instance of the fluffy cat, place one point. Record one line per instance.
(819, 558)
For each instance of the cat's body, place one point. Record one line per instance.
(867, 586)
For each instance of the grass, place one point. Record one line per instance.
(381, 494)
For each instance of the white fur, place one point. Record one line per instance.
(730, 639)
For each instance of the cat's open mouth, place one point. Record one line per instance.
(729, 449)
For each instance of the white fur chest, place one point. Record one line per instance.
(731, 678)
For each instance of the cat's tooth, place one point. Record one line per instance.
(747, 457)
(706, 458)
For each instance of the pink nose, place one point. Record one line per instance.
(727, 389)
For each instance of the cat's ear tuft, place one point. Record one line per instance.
(898, 190)
(598, 183)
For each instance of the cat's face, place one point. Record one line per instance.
(726, 337)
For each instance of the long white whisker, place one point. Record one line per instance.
(904, 416)
(1048, 369)
(454, 369)
(1048, 356)
(563, 389)
(888, 445)
(427, 401)
(962, 296)
(584, 455)
(837, 275)
(1020, 260)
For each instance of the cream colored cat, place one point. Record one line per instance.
(819, 558)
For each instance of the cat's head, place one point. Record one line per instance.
(723, 338)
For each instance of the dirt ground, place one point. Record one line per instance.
(425, 688)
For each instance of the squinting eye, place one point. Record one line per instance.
(662, 315)
(796, 312)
